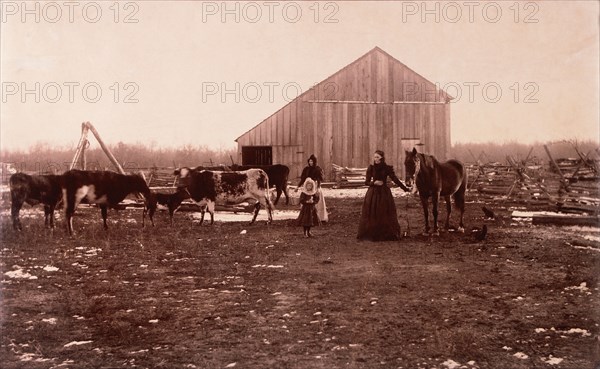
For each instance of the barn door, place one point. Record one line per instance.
(407, 144)
(257, 155)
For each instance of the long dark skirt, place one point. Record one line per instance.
(379, 220)
(308, 216)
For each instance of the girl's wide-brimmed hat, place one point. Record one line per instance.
(314, 187)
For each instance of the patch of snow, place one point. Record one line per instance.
(19, 274)
(584, 333)
(153, 321)
(582, 287)
(357, 193)
(451, 364)
(225, 216)
(540, 330)
(520, 355)
(50, 268)
(552, 360)
(581, 229)
(26, 357)
(138, 352)
(232, 365)
(530, 214)
(592, 238)
(77, 343)
(49, 320)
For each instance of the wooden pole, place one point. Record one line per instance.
(106, 150)
(83, 159)
(528, 155)
(553, 162)
(82, 139)
(592, 221)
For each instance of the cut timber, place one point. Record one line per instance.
(106, 150)
(592, 221)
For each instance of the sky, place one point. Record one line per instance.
(169, 73)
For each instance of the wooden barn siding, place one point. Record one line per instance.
(376, 77)
(347, 133)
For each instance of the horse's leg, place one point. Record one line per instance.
(435, 200)
(459, 200)
(448, 211)
(424, 202)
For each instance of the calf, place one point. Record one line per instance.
(173, 200)
(208, 188)
(278, 177)
(45, 189)
(107, 189)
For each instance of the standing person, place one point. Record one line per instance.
(308, 216)
(314, 172)
(379, 220)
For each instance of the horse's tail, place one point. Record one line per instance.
(459, 195)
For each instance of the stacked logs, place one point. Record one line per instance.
(521, 182)
(349, 177)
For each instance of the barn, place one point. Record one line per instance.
(375, 102)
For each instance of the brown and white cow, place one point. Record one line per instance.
(208, 188)
(107, 189)
(45, 189)
(278, 177)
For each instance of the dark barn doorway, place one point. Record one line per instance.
(257, 155)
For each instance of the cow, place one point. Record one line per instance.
(208, 188)
(45, 189)
(278, 177)
(107, 189)
(172, 200)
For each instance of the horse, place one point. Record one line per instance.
(434, 179)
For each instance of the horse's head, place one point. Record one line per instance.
(412, 165)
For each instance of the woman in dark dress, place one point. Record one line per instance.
(379, 220)
(314, 172)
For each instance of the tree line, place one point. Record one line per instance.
(44, 158)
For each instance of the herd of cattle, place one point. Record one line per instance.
(107, 189)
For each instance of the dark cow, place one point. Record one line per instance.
(107, 189)
(172, 200)
(45, 189)
(278, 177)
(208, 188)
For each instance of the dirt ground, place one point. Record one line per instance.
(237, 296)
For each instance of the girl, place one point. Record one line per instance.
(314, 172)
(308, 214)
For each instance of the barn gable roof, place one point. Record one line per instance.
(441, 95)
